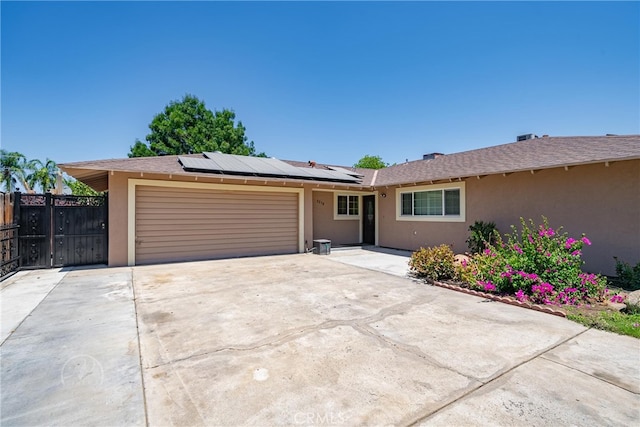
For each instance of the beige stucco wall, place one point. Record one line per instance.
(308, 217)
(340, 232)
(118, 208)
(601, 201)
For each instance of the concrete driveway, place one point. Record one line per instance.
(303, 340)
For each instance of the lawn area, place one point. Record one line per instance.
(624, 323)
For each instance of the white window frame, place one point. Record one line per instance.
(347, 216)
(432, 218)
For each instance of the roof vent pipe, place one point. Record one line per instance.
(526, 136)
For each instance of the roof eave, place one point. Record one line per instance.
(452, 178)
(98, 178)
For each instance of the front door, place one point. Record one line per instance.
(369, 220)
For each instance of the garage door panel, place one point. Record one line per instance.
(218, 213)
(228, 237)
(206, 250)
(156, 196)
(222, 200)
(211, 254)
(198, 222)
(247, 204)
(211, 246)
(191, 224)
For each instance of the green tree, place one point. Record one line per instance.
(14, 166)
(79, 188)
(371, 162)
(43, 174)
(187, 127)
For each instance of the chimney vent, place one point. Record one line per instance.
(431, 156)
(526, 136)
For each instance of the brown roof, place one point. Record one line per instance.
(532, 154)
(94, 173)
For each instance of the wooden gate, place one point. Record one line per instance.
(57, 231)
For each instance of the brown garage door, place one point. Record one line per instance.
(179, 224)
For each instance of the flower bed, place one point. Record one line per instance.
(537, 265)
(501, 298)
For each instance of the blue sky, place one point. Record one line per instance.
(320, 81)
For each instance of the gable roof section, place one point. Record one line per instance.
(532, 154)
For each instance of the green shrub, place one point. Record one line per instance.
(628, 276)
(483, 234)
(434, 263)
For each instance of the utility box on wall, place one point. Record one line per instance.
(322, 247)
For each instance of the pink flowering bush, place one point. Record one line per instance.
(616, 298)
(537, 264)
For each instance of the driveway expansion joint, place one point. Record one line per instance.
(135, 309)
(494, 378)
(543, 356)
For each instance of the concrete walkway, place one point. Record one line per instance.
(69, 354)
(391, 261)
(298, 340)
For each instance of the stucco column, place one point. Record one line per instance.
(118, 220)
(308, 217)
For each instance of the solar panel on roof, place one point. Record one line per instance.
(230, 163)
(200, 164)
(346, 171)
(260, 166)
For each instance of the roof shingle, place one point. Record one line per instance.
(532, 154)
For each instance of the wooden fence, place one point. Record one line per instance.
(6, 207)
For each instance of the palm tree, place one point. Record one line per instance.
(13, 166)
(43, 174)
